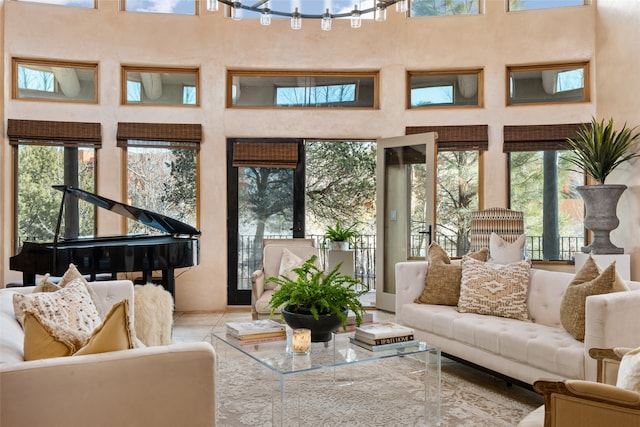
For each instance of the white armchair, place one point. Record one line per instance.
(270, 267)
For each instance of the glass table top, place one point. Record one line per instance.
(277, 356)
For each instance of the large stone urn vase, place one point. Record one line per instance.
(601, 202)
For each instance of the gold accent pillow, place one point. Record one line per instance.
(71, 307)
(587, 281)
(113, 334)
(494, 289)
(44, 340)
(442, 283)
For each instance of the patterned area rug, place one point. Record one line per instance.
(382, 393)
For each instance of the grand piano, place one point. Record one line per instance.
(177, 248)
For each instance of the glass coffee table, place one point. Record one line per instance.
(399, 386)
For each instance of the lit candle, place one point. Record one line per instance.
(301, 341)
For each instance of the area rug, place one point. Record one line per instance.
(383, 393)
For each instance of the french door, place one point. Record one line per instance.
(265, 194)
(405, 215)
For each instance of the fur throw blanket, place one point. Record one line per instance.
(153, 311)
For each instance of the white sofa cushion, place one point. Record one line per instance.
(547, 348)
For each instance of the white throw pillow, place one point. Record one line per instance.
(503, 252)
(629, 371)
(288, 262)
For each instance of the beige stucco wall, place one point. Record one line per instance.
(618, 90)
(215, 44)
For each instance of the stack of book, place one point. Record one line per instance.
(383, 336)
(256, 331)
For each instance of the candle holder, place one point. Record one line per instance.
(301, 341)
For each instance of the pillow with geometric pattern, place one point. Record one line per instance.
(494, 289)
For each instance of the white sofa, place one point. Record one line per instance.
(520, 350)
(152, 386)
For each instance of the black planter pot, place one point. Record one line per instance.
(321, 329)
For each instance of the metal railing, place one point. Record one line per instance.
(365, 254)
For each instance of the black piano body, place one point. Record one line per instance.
(178, 248)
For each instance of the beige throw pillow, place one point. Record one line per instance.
(629, 371)
(587, 281)
(442, 283)
(494, 289)
(70, 308)
(70, 275)
(503, 252)
(288, 262)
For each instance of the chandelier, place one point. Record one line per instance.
(261, 7)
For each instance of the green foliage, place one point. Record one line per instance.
(319, 292)
(340, 183)
(597, 149)
(180, 189)
(338, 233)
(40, 167)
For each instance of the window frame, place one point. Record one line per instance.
(458, 138)
(176, 136)
(50, 134)
(125, 69)
(479, 12)
(584, 3)
(538, 138)
(16, 62)
(196, 9)
(234, 75)
(479, 72)
(585, 65)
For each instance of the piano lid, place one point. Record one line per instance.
(152, 219)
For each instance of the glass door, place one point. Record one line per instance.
(405, 207)
(265, 200)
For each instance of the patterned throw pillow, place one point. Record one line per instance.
(71, 308)
(71, 274)
(503, 252)
(494, 289)
(587, 281)
(442, 283)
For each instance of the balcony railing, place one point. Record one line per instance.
(365, 254)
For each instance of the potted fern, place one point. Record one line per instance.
(317, 300)
(340, 237)
(598, 149)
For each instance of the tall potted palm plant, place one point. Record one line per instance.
(598, 149)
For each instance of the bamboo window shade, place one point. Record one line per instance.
(64, 134)
(456, 138)
(159, 135)
(265, 155)
(538, 137)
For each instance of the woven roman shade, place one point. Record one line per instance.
(66, 134)
(159, 135)
(538, 137)
(265, 154)
(456, 138)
